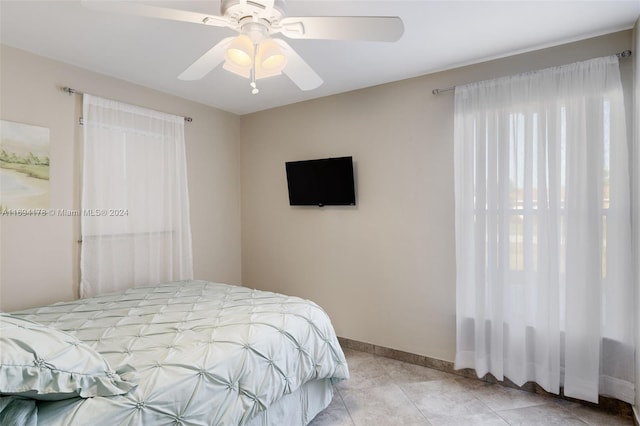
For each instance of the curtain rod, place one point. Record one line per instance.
(71, 91)
(620, 55)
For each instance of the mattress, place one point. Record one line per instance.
(200, 353)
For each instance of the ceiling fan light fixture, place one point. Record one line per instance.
(270, 57)
(246, 71)
(269, 60)
(240, 52)
(260, 73)
(241, 71)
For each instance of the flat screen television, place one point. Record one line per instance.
(322, 182)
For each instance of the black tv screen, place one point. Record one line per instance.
(323, 182)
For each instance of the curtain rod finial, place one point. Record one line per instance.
(625, 54)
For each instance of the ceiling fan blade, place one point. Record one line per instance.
(297, 69)
(207, 62)
(369, 28)
(266, 4)
(145, 10)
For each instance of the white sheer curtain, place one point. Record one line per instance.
(543, 247)
(135, 203)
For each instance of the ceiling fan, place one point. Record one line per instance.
(255, 53)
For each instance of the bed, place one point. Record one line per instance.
(185, 352)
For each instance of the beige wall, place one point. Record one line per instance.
(39, 255)
(636, 192)
(384, 270)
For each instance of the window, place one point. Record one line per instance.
(543, 247)
(135, 202)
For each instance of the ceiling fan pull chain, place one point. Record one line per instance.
(254, 86)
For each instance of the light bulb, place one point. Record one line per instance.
(240, 52)
(271, 58)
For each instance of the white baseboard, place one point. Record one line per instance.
(636, 416)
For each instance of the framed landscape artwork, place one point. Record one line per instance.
(24, 166)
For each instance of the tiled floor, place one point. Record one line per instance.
(386, 392)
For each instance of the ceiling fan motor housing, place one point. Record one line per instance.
(241, 10)
(257, 31)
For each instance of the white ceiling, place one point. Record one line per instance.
(438, 35)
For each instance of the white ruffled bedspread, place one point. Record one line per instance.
(203, 353)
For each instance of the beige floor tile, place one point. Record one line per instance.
(486, 419)
(335, 414)
(499, 397)
(387, 392)
(402, 372)
(594, 417)
(441, 399)
(435, 387)
(540, 415)
(365, 371)
(384, 405)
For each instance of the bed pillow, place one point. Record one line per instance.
(42, 362)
